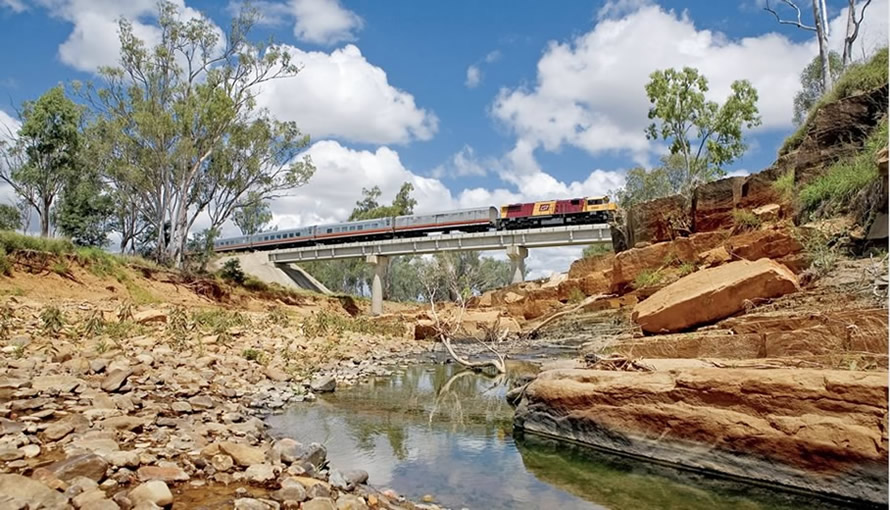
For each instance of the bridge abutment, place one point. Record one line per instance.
(517, 256)
(378, 262)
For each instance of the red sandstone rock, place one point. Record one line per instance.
(772, 243)
(712, 294)
(714, 202)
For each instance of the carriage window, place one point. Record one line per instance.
(361, 227)
(594, 202)
(329, 231)
(576, 202)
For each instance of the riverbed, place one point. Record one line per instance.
(438, 430)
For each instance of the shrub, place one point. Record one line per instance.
(784, 185)
(52, 320)
(232, 271)
(278, 317)
(686, 268)
(255, 355)
(325, 323)
(13, 241)
(60, 267)
(5, 263)
(93, 325)
(857, 78)
(745, 219)
(575, 295)
(647, 278)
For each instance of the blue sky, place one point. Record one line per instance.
(476, 103)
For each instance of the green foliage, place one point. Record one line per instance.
(139, 295)
(5, 263)
(642, 185)
(707, 135)
(52, 320)
(252, 214)
(255, 355)
(836, 190)
(596, 250)
(101, 263)
(856, 78)
(12, 242)
(232, 272)
(46, 154)
(123, 329)
(811, 84)
(93, 326)
(60, 267)
(686, 268)
(10, 217)
(647, 278)
(84, 213)
(745, 219)
(278, 317)
(324, 323)
(784, 185)
(218, 320)
(575, 295)
(178, 321)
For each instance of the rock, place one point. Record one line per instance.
(154, 491)
(291, 492)
(260, 473)
(712, 294)
(351, 502)
(314, 454)
(29, 493)
(221, 462)
(98, 365)
(130, 423)
(653, 221)
(323, 384)
(8, 426)
(286, 450)
(768, 212)
(629, 264)
(88, 465)
(318, 491)
(714, 257)
(424, 329)
(255, 504)
(347, 480)
(771, 243)
(318, 504)
(31, 451)
(714, 202)
(814, 430)
(55, 383)
(276, 374)
(127, 458)
(428, 498)
(149, 316)
(242, 454)
(181, 407)
(202, 402)
(20, 340)
(115, 379)
(163, 473)
(88, 496)
(10, 453)
(101, 504)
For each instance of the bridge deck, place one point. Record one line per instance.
(492, 240)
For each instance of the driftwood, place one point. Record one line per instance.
(588, 300)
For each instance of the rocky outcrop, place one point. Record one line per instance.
(712, 294)
(629, 264)
(657, 220)
(713, 203)
(822, 431)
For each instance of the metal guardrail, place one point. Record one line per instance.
(493, 240)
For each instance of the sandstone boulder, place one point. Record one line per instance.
(629, 264)
(28, 493)
(771, 243)
(711, 294)
(149, 316)
(656, 220)
(88, 465)
(154, 491)
(713, 203)
(242, 454)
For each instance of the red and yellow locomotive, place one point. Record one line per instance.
(572, 211)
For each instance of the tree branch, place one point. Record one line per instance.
(798, 23)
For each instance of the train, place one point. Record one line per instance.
(546, 213)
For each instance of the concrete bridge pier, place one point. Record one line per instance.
(379, 264)
(517, 256)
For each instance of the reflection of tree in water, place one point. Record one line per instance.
(437, 396)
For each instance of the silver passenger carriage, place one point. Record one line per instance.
(377, 228)
(464, 220)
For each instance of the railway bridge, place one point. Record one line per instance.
(515, 242)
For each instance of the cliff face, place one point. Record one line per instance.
(822, 431)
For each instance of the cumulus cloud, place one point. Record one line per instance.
(340, 94)
(462, 164)
(14, 5)
(474, 71)
(324, 21)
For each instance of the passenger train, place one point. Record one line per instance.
(509, 217)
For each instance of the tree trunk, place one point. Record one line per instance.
(822, 36)
(849, 37)
(44, 218)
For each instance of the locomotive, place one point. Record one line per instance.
(510, 217)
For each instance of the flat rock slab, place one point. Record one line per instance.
(31, 493)
(242, 454)
(115, 379)
(87, 465)
(712, 294)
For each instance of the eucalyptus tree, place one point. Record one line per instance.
(704, 134)
(252, 215)
(182, 128)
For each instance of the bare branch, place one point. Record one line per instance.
(799, 23)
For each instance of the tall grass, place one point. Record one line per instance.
(856, 78)
(784, 186)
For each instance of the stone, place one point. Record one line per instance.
(127, 458)
(276, 374)
(424, 329)
(714, 257)
(8, 426)
(314, 453)
(768, 212)
(347, 480)
(30, 493)
(222, 462)
(154, 491)
(712, 294)
(286, 450)
(255, 504)
(129, 423)
(351, 502)
(291, 492)
(115, 379)
(20, 340)
(163, 473)
(318, 504)
(323, 384)
(318, 491)
(242, 454)
(88, 496)
(88, 465)
(31, 451)
(101, 504)
(811, 429)
(98, 365)
(149, 316)
(9, 453)
(201, 402)
(181, 407)
(55, 383)
(773, 243)
(260, 473)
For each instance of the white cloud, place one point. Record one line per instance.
(474, 76)
(15, 5)
(462, 164)
(492, 56)
(589, 91)
(872, 33)
(341, 94)
(9, 125)
(324, 21)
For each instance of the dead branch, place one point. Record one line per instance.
(615, 363)
(798, 23)
(590, 299)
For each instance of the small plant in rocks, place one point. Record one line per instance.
(52, 320)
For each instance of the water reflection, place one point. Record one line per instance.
(446, 432)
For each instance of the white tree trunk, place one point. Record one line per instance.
(822, 36)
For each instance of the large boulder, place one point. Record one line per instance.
(816, 430)
(773, 243)
(17, 491)
(713, 203)
(88, 465)
(629, 264)
(657, 220)
(712, 294)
